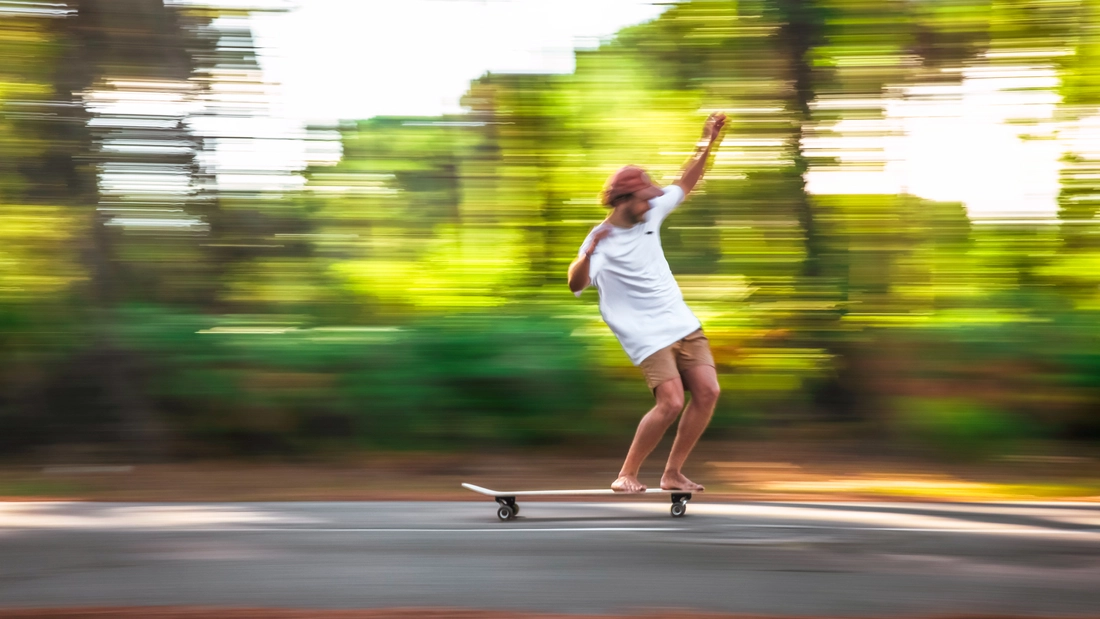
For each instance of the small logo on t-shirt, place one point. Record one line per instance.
(650, 232)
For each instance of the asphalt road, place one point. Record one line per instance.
(591, 557)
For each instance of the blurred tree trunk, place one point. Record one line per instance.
(801, 28)
(106, 40)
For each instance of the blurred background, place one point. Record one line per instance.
(246, 229)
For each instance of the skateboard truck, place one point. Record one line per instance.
(508, 508)
(680, 503)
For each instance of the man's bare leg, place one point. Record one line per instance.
(702, 381)
(670, 401)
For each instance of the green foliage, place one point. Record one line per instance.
(412, 295)
(959, 427)
(477, 379)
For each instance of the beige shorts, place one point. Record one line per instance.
(680, 356)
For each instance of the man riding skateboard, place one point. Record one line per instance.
(642, 304)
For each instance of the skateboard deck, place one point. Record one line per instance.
(509, 510)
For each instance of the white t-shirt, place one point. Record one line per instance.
(639, 298)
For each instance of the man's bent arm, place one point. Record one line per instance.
(578, 273)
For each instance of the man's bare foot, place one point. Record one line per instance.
(677, 481)
(627, 483)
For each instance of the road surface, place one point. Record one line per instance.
(577, 557)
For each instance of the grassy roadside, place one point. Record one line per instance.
(751, 471)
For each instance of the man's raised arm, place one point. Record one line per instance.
(693, 169)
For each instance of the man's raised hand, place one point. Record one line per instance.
(713, 127)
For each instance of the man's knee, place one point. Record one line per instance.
(707, 392)
(670, 401)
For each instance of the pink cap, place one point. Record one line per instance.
(630, 180)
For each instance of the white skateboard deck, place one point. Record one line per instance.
(600, 491)
(508, 508)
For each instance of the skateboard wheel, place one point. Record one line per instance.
(515, 509)
(506, 513)
(679, 509)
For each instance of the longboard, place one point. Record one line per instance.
(509, 510)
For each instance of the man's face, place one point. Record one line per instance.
(635, 210)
